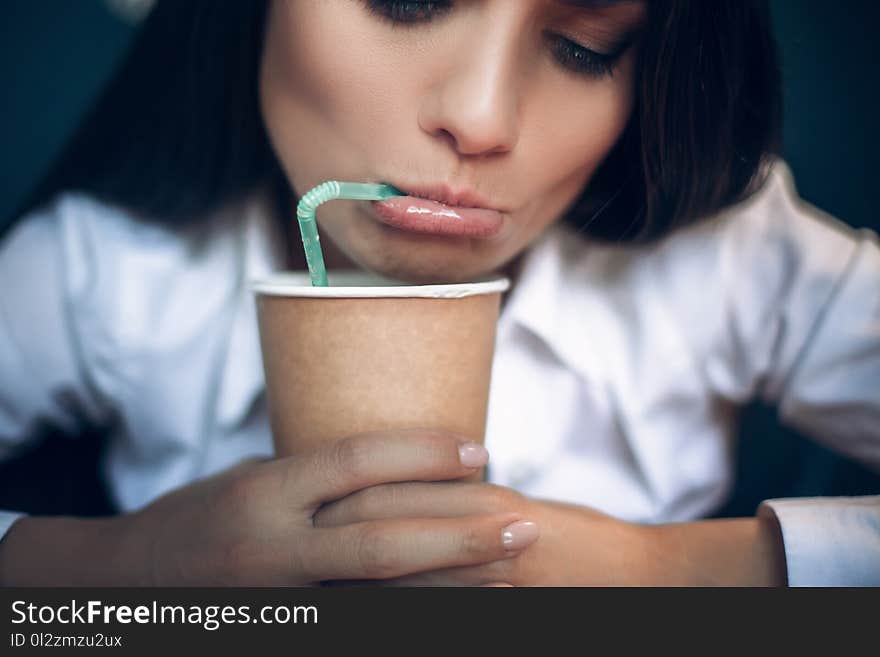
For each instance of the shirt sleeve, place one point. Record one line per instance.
(832, 390)
(829, 541)
(802, 329)
(805, 336)
(6, 520)
(44, 380)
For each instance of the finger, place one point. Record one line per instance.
(395, 548)
(354, 463)
(419, 500)
(428, 581)
(496, 573)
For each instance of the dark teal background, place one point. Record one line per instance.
(55, 55)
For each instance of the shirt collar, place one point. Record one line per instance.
(552, 290)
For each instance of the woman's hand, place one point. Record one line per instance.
(577, 545)
(252, 525)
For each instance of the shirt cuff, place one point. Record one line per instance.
(6, 520)
(829, 541)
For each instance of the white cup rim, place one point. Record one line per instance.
(348, 284)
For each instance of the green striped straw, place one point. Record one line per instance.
(331, 191)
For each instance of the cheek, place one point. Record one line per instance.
(573, 125)
(576, 127)
(320, 105)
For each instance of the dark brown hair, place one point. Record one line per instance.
(177, 134)
(708, 116)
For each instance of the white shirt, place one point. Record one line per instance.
(617, 373)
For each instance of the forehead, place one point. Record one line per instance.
(599, 4)
(603, 7)
(606, 9)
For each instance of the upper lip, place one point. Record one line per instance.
(461, 197)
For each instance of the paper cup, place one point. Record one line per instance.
(372, 354)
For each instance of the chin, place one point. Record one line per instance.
(426, 272)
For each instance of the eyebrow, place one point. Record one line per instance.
(629, 37)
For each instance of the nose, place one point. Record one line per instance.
(473, 102)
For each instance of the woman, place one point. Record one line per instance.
(663, 273)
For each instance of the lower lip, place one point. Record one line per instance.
(418, 215)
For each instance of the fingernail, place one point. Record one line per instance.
(473, 455)
(519, 535)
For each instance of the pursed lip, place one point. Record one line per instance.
(441, 210)
(457, 197)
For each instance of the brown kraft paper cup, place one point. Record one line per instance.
(368, 354)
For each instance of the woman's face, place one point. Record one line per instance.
(508, 106)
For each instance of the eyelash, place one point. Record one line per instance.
(583, 60)
(569, 54)
(409, 11)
